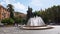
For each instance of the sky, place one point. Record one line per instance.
(22, 5)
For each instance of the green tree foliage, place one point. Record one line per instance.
(7, 21)
(19, 20)
(51, 14)
(11, 10)
(42, 14)
(54, 13)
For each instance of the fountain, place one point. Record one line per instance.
(35, 23)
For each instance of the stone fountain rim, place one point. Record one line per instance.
(35, 27)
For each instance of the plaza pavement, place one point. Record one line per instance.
(17, 30)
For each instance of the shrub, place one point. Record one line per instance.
(11, 21)
(19, 20)
(8, 21)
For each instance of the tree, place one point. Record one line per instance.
(53, 14)
(42, 14)
(11, 10)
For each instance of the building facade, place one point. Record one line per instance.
(4, 13)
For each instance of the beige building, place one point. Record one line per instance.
(4, 13)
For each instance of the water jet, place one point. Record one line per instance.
(35, 23)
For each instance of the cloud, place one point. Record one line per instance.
(2, 3)
(17, 5)
(35, 3)
(20, 7)
(9, 1)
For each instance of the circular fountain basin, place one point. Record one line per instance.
(35, 23)
(35, 27)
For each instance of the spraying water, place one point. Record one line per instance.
(35, 21)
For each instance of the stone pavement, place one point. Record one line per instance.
(9, 30)
(16, 30)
